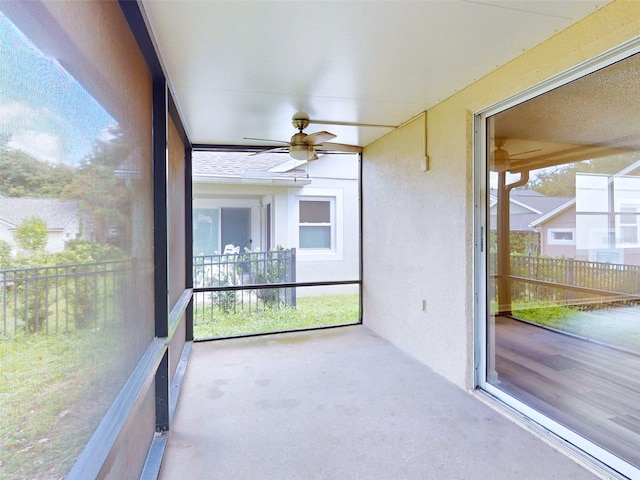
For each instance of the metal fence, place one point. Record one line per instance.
(61, 298)
(570, 281)
(598, 275)
(243, 270)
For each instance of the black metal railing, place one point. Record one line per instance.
(62, 298)
(240, 272)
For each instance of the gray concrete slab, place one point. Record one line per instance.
(340, 404)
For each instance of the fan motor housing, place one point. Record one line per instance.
(300, 121)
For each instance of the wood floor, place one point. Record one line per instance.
(590, 388)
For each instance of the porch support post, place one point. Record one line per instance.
(161, 246)
(504, 247)
(503, 241)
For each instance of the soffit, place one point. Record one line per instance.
(240, 69)
(591, 117)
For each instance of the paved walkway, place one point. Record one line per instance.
(340, 404)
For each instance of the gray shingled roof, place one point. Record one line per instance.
(530, 198)
(537, 200)
(56, 213)
(238, 164)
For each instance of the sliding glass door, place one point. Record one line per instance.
(561, 259)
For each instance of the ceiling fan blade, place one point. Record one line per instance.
(318, 138)
(524, 153)
(265, 140)
(340, 147)
(314, 157)
(271, 150)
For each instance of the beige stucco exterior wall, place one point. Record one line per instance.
(418, 226)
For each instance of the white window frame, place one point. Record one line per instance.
(551, 240)
(331, 224)
(336, 195)
(620, 224)
(220, 203)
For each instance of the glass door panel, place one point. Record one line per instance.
(563, 213)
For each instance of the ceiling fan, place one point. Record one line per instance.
(501, 160)
(302, 146)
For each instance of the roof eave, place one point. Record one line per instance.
(245, 180)
(556, 211)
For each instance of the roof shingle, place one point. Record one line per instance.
(56, 213)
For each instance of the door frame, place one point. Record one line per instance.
(481, 188)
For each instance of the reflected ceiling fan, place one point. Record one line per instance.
(302, 146)
(501, 161)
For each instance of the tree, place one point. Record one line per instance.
(561, 180)
(5, 254)
(31, 235)
(100, 193)
(22, 175)
(112, 152)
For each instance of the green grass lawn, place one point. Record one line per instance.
(54, 390)
(326, 310)
(618, 326)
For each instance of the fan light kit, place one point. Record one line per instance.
(501, 160)
(303, 146)
(500, 156)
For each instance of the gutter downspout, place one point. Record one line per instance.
(503, 241)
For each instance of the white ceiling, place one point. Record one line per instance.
(243, 68)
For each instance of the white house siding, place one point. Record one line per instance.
(332, 176)
(591, 240)
(61, 217)
(6, 234)
(56, 239)
(564, 220)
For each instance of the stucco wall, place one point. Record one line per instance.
(418, 226)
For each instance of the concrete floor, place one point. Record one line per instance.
(340, 404)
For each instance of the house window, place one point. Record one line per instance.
(561, 236)
(628, 224)
(316, 224)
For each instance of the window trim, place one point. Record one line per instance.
(331, 224)
(336, 253)
(551, 240)
(620, 225)
(218, 203)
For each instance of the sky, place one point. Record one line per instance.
(44, 111)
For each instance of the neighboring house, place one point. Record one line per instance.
(525, 207)
(261, 202)
(62, 217)
(601, 224)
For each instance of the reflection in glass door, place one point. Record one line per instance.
(563, 257)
